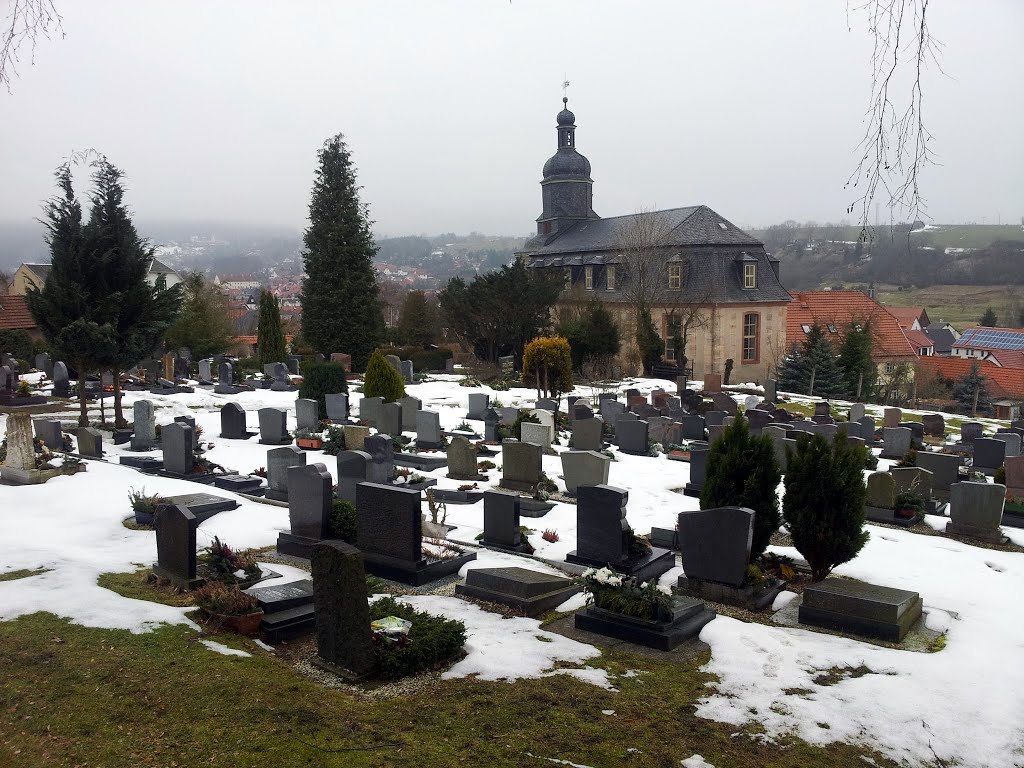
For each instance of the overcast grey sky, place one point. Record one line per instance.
(216, 110)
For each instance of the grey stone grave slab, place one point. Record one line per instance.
(395, 362)
(410, 407)
(191, 421)
(390, 535)
(538, 434)
(611, 410)
(546, 404)
(238, 483)
(714, 418)
(279, 461)
(758, 419)
(770, 394)
(693, 428)
(478, 405)
(896, 442)
(1012, 440)
(293, 365)
(343, 638)
(144, 437)
(369, 410)
(90, 443)
(976, 510)
(232, 422)
(689, 617)
(971, 430)
(945, 469)
(520, 466)
(462, 460)
(891, 417)
(206, 371)
(273, 426)
(176, 439)
(584, 468)
(492, 420)
(632, 437)
(715, 431)
(337, 406)
(307, 414)
(352, 469)
(389, 420)
(698, 470)
(407, 372)
(508, 416)
(61, 382)
(176, 547)
(50, 432)
(859, 608)
(656, 426)
(989, 454)
(531, 592)
(856, 412)
(381, 450)
(310, 497)
(867, 429)
(586, 435)
(428, 429)
(202, 505)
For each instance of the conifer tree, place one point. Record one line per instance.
(341, 306)
(742, 471)
(204, 324)
(989, 319)
(824, 501)
(972, 384)
(859, 370)
(270, 342)
(419, 323)
(812, 369)
(381, 380)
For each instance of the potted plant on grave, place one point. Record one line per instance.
(909, 504)
(309, 440)
(680, 450)
(145, 506)
(616, 593)
(220, 562)
(334, 440)
(230, 607)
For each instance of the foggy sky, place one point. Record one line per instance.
(215, 111)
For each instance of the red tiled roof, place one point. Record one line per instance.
(919, 339)
(14, 314)
(840, 308)
(1003, 382)
(1008, 358)
(906, 316)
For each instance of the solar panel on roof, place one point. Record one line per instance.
(992, 339)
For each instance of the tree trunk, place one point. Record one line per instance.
(119, 420)
(83, 410)
(860, 383)
(810, 391)
(974, 403)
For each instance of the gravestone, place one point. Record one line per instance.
(867, 429)
(945, 469)
(631, 437)
(206, 371)
(391, 536)
(1012, 440)
(822, 409)
(191, 421)
(310, 498)
(509, 416)
(144, 436)
(307, 414)
(693, 428)
(881, 491)
(976, 510)
(492, 420)
(758, 420)
(698, 469)
(892, 417)
(344, 641)
(293, 364)
(410, 407)
(715, 545)
(859, 608)
(546, 404)
(355, 436)
(586, 435)
(777, 434)
(656, 426)
(50, 432)
(714, 418)
(381, 451)
(42, 363)
(914, 479)
(989, 454)
(428, 430)
(1014, 475)
(856, 412)
(369, 410)
(389, 419)
(395, 362)
(570, 405)
(337, 406)
(61, 382)
(90, 443)
(538, 434)
(279, 461)
(177, 441)
(520, 466)
(478, 405)
(501, 520)
(581, 412)
(604, 537)
(584, 468)
(344, 359)
(282, 380)
(462, 460)
(828, 431)
(916, 431)
(611, 410)
(724, 402)
(176, 546)
(530, 592)
(232, 422)
(896, 442)
(933, 424)
(273, 426)
(352, 468)
(770, 394)
(970, 431)
(715, 431)
(507, 363)
(712, 383)
(225, 373)
(407, 372)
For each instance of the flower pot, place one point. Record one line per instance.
(144, 518)
(907, 513)
(309, 443)
(247, 624)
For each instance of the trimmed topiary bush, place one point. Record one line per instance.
(547, 365)
(323, 379)
(742, 471)
(381, 380)
(433, 641)
(344, 523)
(824, 502)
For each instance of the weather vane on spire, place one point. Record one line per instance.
(565, 88)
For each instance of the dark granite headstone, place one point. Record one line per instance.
(602, 533)
(337, 406)
(307, 414)
(381, 450)
(389, 419)
(976, 510)
(309, 509)
(191, 421)
(501, 520)
(631, 436)
(934, 424)
(176, 546)
(971, 430)
(945, 469)
(50, 432)
(369, 410)
(352, 469)
(390, 521)
(273, 426)
(343, 638)
(897, 441)
(61, 382)
(859, 608)
(407, 372)
(989, 453)
(492, 419)
(693, 428)
(698, 470)
(715, 544)
(532, 592)
(758, 419)
(232, 422)
(279, 461)
(178, 448)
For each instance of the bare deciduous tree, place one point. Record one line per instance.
(28, 22)
(639, 239)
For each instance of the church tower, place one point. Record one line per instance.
(567, 189)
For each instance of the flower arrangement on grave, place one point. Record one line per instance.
(870, 460)
(308, 438)
(437, 507)
(617, 593)
(23, 389)
(344, 522)
(260, 472)
(145, 505)
(485, 465)
(430, 643)
(405, 476)
(909, 459)
(399, 442)
(777, 566)
(550, 535)
(909, 503)
(334, 440)
(543, 490)
(464, 426)
(222, 563)
(440, 549)
(235, 609)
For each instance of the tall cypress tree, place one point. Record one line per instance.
(341, 306)
(270, 341)
(140, 313)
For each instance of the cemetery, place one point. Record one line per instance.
(269, 562)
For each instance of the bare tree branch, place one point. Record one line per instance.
(28, 22)
(895, 146)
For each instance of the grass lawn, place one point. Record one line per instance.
(73, 696)
(960, 305)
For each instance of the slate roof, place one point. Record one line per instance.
(942, 336)
(42, 270)
(160, 268)
(14, 314)
(840, 308)
(693, 226)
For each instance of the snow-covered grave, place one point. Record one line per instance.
(962, 704)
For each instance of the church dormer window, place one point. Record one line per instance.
(588, 278)
(750, 275)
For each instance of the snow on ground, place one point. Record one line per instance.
(911, 704)
(223, 650)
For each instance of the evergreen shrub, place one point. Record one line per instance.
(433, 641)
(381, 380)
(323, 379)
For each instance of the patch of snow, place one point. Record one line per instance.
(784, 598)
(559, 762)
(224, 650)
(696, 761)
(574, 603)
(608, 712)
(264, 646)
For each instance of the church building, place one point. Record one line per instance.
(695, 269)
